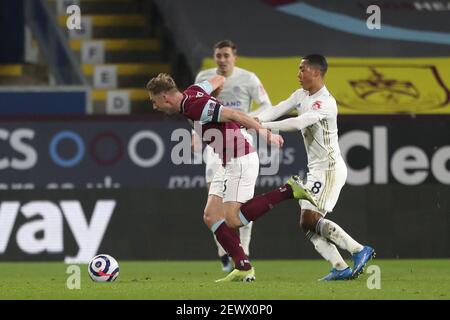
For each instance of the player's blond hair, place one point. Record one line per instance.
(161, 83)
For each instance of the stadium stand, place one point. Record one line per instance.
(121, 44)
(117, 51)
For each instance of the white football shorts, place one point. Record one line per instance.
(213, 161)
(326, 185)
(236, 181)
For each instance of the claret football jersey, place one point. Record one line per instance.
(225, 138)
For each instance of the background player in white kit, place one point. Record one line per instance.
(317, 120)
(240, 89)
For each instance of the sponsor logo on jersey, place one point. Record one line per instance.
(232, 104)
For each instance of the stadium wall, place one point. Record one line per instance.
(141, 224)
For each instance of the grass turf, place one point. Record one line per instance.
(181, 280)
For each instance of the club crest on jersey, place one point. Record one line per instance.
(316, 105)
(236, 89)
(199, 94)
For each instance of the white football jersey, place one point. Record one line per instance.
(321, 137)
(239, 90)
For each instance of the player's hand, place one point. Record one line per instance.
(274, 139)
(277, 140)
(217, 92)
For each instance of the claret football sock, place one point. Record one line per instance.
(229, 240)
(259, 205)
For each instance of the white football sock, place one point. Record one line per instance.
(220, 251)
(245, 233)
(330, 230)
(327, 250)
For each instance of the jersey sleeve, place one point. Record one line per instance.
(200, 77)
(321, 109)
(211, 112)
(280, 109)
(295, 123)
(259, 95)
(205, 86)
(257, 91)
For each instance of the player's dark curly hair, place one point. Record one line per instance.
(318, 61)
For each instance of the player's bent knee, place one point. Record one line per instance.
(308, 220)
(233, 222)
(207, 219)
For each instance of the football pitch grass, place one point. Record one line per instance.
(182, 280)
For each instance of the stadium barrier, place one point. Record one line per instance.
(44, 100)
(160, 224)
(75, 187)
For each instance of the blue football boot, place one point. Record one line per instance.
(360, 260)
(335, 274)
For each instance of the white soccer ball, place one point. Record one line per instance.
(103, 268)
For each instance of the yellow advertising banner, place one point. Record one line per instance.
(364, 85)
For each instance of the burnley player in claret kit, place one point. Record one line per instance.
(241, 89)
(230, 204)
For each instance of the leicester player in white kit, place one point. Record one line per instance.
(240, 89)
(317, 121)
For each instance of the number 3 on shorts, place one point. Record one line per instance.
(316, 187)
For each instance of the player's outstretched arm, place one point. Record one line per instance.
(229, 114)
(284, 107)
(216, 82)
(295, 123)
(263, 106)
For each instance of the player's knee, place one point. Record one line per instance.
(327, 229)
(232, 221)
(308, 220)
(207, 218)
(304, 225)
